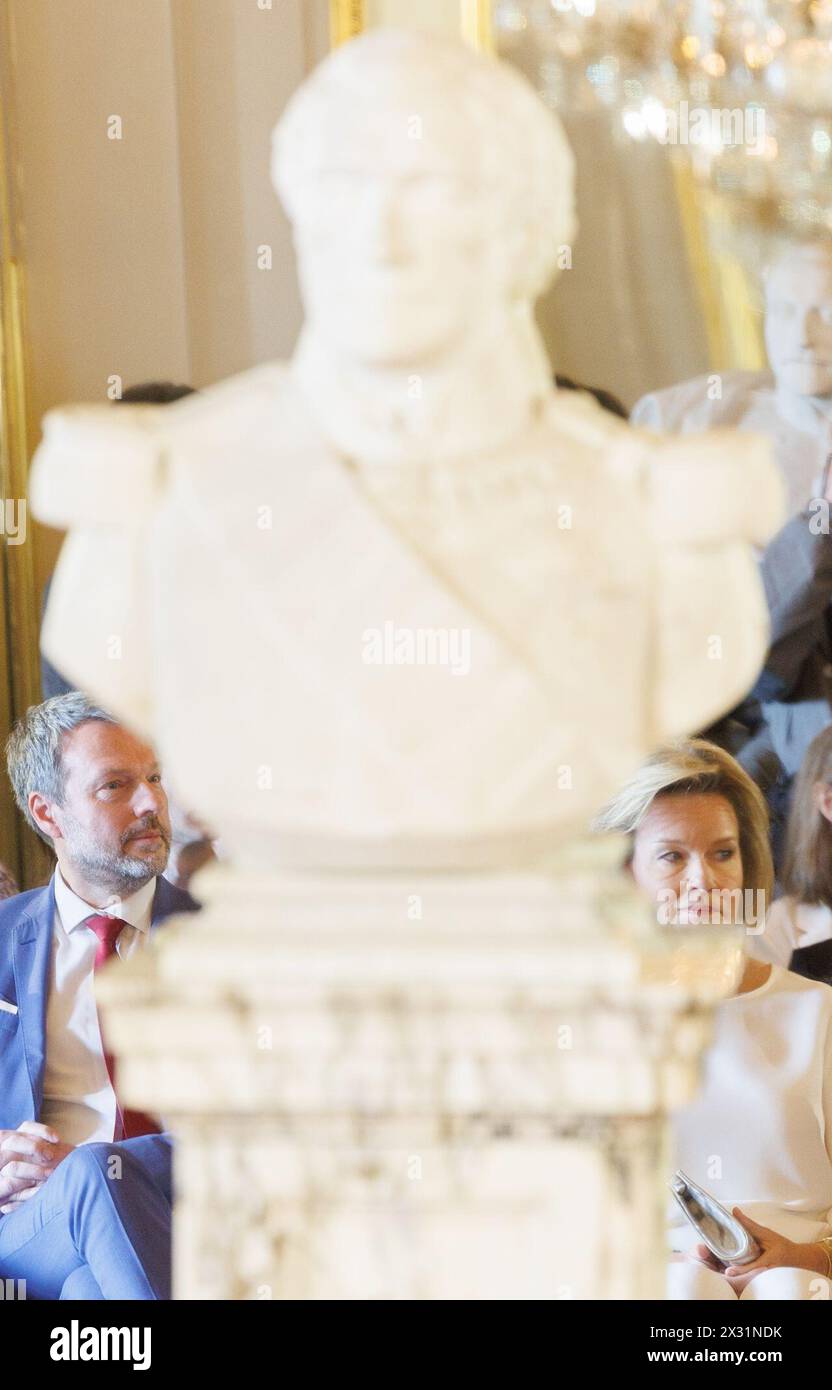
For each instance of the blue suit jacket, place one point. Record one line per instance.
(26, 923)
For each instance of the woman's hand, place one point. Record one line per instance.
(775, 1252)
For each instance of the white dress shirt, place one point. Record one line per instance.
(79, 1102)
(789, 925)
(758, 1135)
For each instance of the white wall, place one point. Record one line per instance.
(141, 252)
(236, 66)
(102, 218)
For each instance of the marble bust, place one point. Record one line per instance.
(791, 403)
(397, 601)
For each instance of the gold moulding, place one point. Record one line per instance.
(348, 18)
(19, 608)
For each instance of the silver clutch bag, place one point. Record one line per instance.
(720, 1231)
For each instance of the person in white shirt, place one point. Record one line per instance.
(791, 402)
(758, 1137)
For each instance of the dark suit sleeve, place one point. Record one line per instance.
(51, 680)
(796, 570)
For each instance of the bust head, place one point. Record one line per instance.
(428, 188)
(799, 320)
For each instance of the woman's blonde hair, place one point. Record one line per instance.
(692, 766)
(807, 871)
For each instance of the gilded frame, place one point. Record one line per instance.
(347, 18)
(19, 607)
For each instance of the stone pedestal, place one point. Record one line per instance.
(419, 1086)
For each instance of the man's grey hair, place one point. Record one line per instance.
(34, 748)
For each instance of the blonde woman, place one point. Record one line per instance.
(759, 1134)
(798, 932)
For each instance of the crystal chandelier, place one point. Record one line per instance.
(742, 87)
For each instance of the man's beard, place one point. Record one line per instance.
(114, 870)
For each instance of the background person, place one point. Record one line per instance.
(791, 401)
(789, 704)
(8, 886)
(798, 931)
(192, 846)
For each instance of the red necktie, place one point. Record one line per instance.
(129, 1123)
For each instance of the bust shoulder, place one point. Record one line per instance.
(103, 465)
(678, 475)
(95, 463)
(262, 403)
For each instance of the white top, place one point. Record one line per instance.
(78, 1100)
(789, 925)
(759, 1135)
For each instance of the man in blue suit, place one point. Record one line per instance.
(85, 1186)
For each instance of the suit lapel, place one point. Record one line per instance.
(167, 901)
(32, 941)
